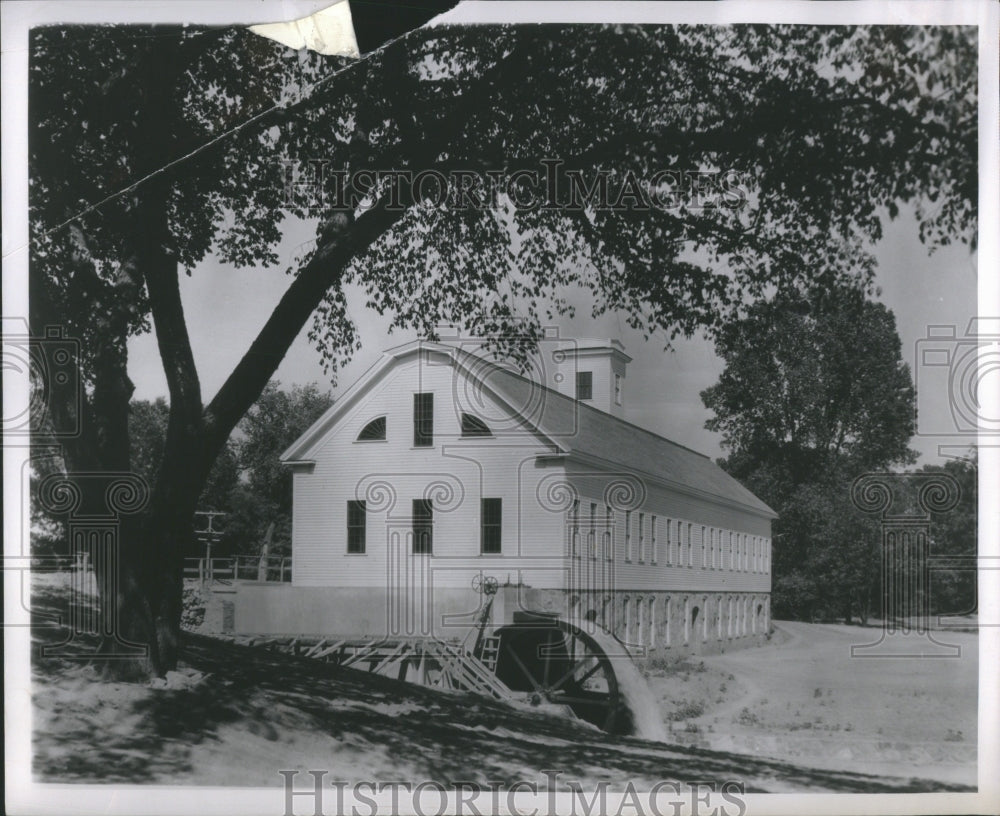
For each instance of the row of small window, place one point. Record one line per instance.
(733, 617)
(720, 549)
(490, 526)
(423, 424)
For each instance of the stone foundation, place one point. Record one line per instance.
(666, 624)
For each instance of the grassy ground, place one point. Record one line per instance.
(804, 699)
(235, 716)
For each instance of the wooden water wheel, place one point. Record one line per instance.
(579, 667)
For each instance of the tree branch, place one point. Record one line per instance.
(265, 354)
(345, 240)
(173, 342)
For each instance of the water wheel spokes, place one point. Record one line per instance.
(525, 672)
(560, 664)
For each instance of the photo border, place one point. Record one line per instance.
(27, 796)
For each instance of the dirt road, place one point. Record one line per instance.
(805, 699)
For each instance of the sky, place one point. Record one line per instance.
(226, 307)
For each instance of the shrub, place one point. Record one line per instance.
(193, 609)
(687, 710)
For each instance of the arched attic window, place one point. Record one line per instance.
(374, 431)
(474, 426)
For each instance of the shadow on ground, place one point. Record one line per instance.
(241, 714)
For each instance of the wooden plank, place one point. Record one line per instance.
(329, 649)
(391, 656)
(318, 645)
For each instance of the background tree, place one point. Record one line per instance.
(262, 501)
(113, 110)
(247, 481)
(153, 149)
(148, 423)
(812, 380)
(954, 591)
(815, 393)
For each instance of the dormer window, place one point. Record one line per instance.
(374, 431)
(584, 385)
(474, 426)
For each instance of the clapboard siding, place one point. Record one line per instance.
(455, 474)
(537, 484)
(643, 497)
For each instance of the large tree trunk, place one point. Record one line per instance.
(147, 589)
(148, 584)
(150, 581)
(149, 601)
(151, 593)
(110, 455)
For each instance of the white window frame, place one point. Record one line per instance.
(652, 622)
(666, 621)
(652, 539)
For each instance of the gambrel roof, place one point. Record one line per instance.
(572, 428)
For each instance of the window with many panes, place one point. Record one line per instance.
(574, 528)
(423, 526)
(491, 525)
(356, 533)
(609, 527)
(584, 385)
(423, 420)
(374, 431)
(592, 535)
(666, 621)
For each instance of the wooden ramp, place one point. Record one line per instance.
(425, 661)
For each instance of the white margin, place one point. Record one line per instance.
(25, 796)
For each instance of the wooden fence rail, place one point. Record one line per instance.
(274, 569)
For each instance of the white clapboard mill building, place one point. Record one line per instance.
(440, 468)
